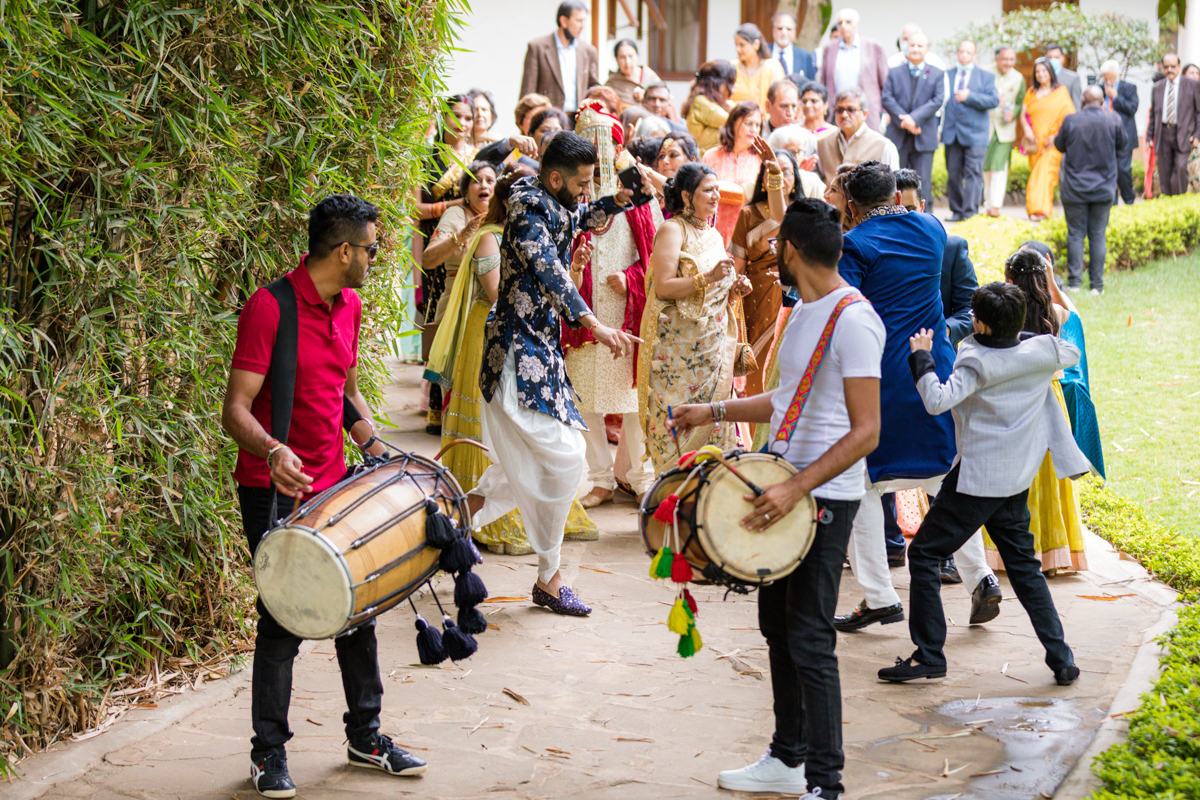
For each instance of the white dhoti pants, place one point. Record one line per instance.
(600, 458)
(537, 464)
(868, 551)
(995, 188)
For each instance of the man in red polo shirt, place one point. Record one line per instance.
(341, 247)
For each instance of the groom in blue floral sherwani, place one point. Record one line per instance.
(530, 422)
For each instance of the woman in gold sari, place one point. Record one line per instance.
(689, 328)
(1047, 104)
(457, 353)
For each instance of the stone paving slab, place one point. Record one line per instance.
(614, 713)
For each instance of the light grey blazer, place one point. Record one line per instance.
(1005, 414)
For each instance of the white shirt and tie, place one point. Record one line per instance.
(848, 66)
(963, 76)
(568, 67)
(1171, 101)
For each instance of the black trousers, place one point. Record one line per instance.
(1088, 220)
(964, 170)
(1172, 163)
(1125, 176)
(952, 519)
(796, 617)
(922, 164)
(893, 536)
(275, 649)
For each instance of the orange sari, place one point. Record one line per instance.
(1045, 116)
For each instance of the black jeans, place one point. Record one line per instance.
(1090, 220)
(964, 170)
(893, 535)
(275, 649)
(952, 519)
(796, 617)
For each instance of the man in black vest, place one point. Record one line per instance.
(318, 301)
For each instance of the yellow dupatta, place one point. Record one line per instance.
(440, 365)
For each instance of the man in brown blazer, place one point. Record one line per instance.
(1174, 125)
(560, 65)
(854, 60)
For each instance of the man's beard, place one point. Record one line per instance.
(570, 37)
(566, 199)
(785, 276)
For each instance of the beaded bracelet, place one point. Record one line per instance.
(270, 444)
(273, 451)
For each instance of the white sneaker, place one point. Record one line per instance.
(768, 774)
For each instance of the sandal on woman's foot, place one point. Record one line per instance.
(517, 549)
(591, 499)
(566, 603)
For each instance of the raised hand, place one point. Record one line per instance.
(921, 340)
(763, 150)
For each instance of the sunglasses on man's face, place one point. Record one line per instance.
(372, 249)
(846, 112)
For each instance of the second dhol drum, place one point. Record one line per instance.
(356, 549)
(708, 530)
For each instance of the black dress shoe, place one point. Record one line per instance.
(908, 670)
(895, 558)
(985, 601)
(948, 571)
(862, 616)
(1066, 676)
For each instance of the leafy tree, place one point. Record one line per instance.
(1092, 38)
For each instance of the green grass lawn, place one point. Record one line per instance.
(1143, 347)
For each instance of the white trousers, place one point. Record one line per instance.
(995, 187)
(537, 464)
(600, 457)
(868, 551)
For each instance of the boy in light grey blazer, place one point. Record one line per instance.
(1005, 419)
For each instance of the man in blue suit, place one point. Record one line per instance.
(965, 131)
(894, 257)
(1121, 97)
(794, 59)
(912, 96)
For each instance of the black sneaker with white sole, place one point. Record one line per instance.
(270, 775)
(381, 753)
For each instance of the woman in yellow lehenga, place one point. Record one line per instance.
(1054, 515)
(689, 328)
(1047, 104)
(457, 352)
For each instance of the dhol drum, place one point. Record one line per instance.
(711, 507)
(356, 549)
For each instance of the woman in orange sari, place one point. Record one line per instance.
(1047, 104)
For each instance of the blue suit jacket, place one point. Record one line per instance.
(895, 260)
(958, 285)
(1126, 105)
(966, 123)
(922, 106)
(802, 62)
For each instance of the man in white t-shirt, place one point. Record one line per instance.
(829, 442)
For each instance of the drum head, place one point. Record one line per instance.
(655, 534)
(303, 582)
(753, 556)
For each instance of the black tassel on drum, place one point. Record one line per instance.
(439, 529)
(459, 644)
(460, 556)
(471, 620)
(469, 590)
(429, 643)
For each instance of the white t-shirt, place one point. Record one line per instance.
(855, 351)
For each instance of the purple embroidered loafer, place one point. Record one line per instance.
(566, 603)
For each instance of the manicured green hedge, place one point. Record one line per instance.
(1161, 756)
(1137, 234)
(1018, 175)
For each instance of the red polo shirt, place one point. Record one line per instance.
(327, 347)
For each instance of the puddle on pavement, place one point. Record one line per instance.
(1043, 738)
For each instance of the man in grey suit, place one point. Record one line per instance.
(1006, 419)
(1174, 125)
(560, 65)
(1066, 77)
(965, 131)
(912, 96)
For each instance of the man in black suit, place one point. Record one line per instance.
(1121, 97)
(1089, 141)
(784, 50)
(1174, 125)
(912, 97)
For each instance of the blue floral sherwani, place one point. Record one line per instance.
(535, 293)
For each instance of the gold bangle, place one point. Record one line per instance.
(774, 181)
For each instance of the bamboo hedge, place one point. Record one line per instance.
(157, 161)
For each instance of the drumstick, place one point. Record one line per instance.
(757, 491)
(674, 433)
(296, 505)
(456, 443)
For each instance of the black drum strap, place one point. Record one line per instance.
(283, 369)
